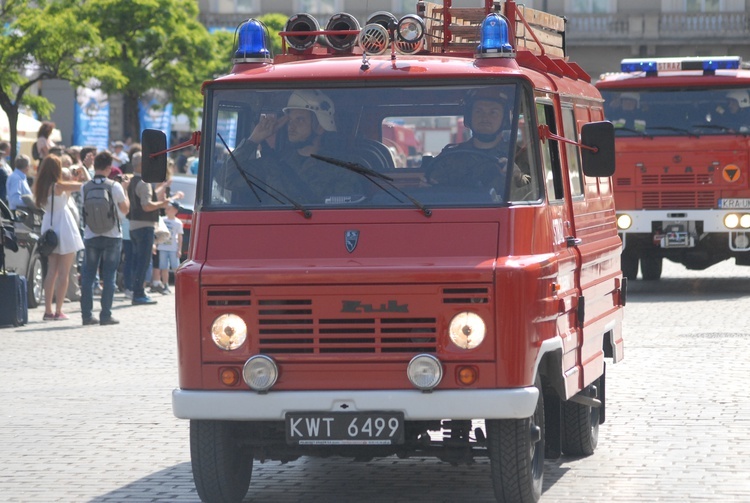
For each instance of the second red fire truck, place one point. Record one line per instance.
(682, 187)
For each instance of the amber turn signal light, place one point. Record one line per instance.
(230, 376)
(467, 375)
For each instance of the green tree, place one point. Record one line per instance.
(161, 46)
(46, 40)
(275, 23)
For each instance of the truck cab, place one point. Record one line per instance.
(404, 243)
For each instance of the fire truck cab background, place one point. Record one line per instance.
(682, 187)
(455, 304)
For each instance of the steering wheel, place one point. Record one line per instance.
(466, 168)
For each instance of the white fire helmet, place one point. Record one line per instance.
(742, 97)
(317, 103)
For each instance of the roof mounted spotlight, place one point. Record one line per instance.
(494, 38)
(410, 29)
(384, 19)
(252, 45)
(342, 22)
(301, 23)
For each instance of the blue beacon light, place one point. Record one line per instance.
(251, 47)
(494, 41)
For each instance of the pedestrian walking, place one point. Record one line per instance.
(102, 198)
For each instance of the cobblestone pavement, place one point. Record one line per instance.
(85, 413)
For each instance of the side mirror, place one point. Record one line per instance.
(601, 137)
(154, 167)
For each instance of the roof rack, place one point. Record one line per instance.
(456, 30)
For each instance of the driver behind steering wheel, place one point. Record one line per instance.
(486, 117)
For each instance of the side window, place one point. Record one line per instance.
(550, 154)
(574, 161)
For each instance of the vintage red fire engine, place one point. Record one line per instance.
(430, 299)
(682, 186)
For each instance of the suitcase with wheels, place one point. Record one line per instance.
(14, 308)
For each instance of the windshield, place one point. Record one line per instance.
(369, 147)
(683, 111)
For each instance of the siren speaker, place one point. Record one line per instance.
(373, 39)
(301, 22)
(342, 21)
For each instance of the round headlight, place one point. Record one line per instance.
(624, 221)
(731, 221)
(424, 372)
(260, 373)
(467, 330)
(411, 28)
(745, 221)
(228, 332)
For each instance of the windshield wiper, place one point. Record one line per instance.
(642, 133)
(257, 184)
(719, 127)
(675, 129)
(372, 175)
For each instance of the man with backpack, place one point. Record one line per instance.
(102, 238)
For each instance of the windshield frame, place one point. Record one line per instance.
(523, 101)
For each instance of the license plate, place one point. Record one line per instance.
(345, 428)
(734, 204)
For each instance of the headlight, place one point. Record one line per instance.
(229, 332)
(260, 373)
(745, 221)
(624, 222)
(424, 372)
(731, 221)
(467, 330)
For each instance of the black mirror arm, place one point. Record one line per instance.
(194, 141)
(545, 134)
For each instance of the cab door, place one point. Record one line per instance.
(567, 257)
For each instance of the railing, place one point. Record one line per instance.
(657, 26)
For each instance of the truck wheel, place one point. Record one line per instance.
(629, 265)
(222, 467)
(580, 427)
(35, 282)
(651, 268)
(516, 450)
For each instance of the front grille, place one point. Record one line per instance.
(671, 200)
(677, 179)
(289, 331)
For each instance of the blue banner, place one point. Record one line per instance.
(91, 121)
(154, 114)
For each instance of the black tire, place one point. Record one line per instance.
(222, 466)
(629, 265)
(35, 282)
(516, 450)
(580, 427)
(651, 268)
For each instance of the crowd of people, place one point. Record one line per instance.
(104, 217)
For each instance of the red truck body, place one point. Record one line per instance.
(410, 318)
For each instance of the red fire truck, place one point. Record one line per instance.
(681, 188)
(461, 306)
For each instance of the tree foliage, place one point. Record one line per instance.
(161, 45)
(46, 40)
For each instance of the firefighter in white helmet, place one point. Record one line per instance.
(309, 121)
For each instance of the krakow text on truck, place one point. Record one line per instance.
(682, 187)
(404, 243)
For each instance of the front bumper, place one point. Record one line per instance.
(516, 403)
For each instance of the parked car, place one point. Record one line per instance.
(186, 184)
(25, 260)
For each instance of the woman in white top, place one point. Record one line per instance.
(51, 193)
